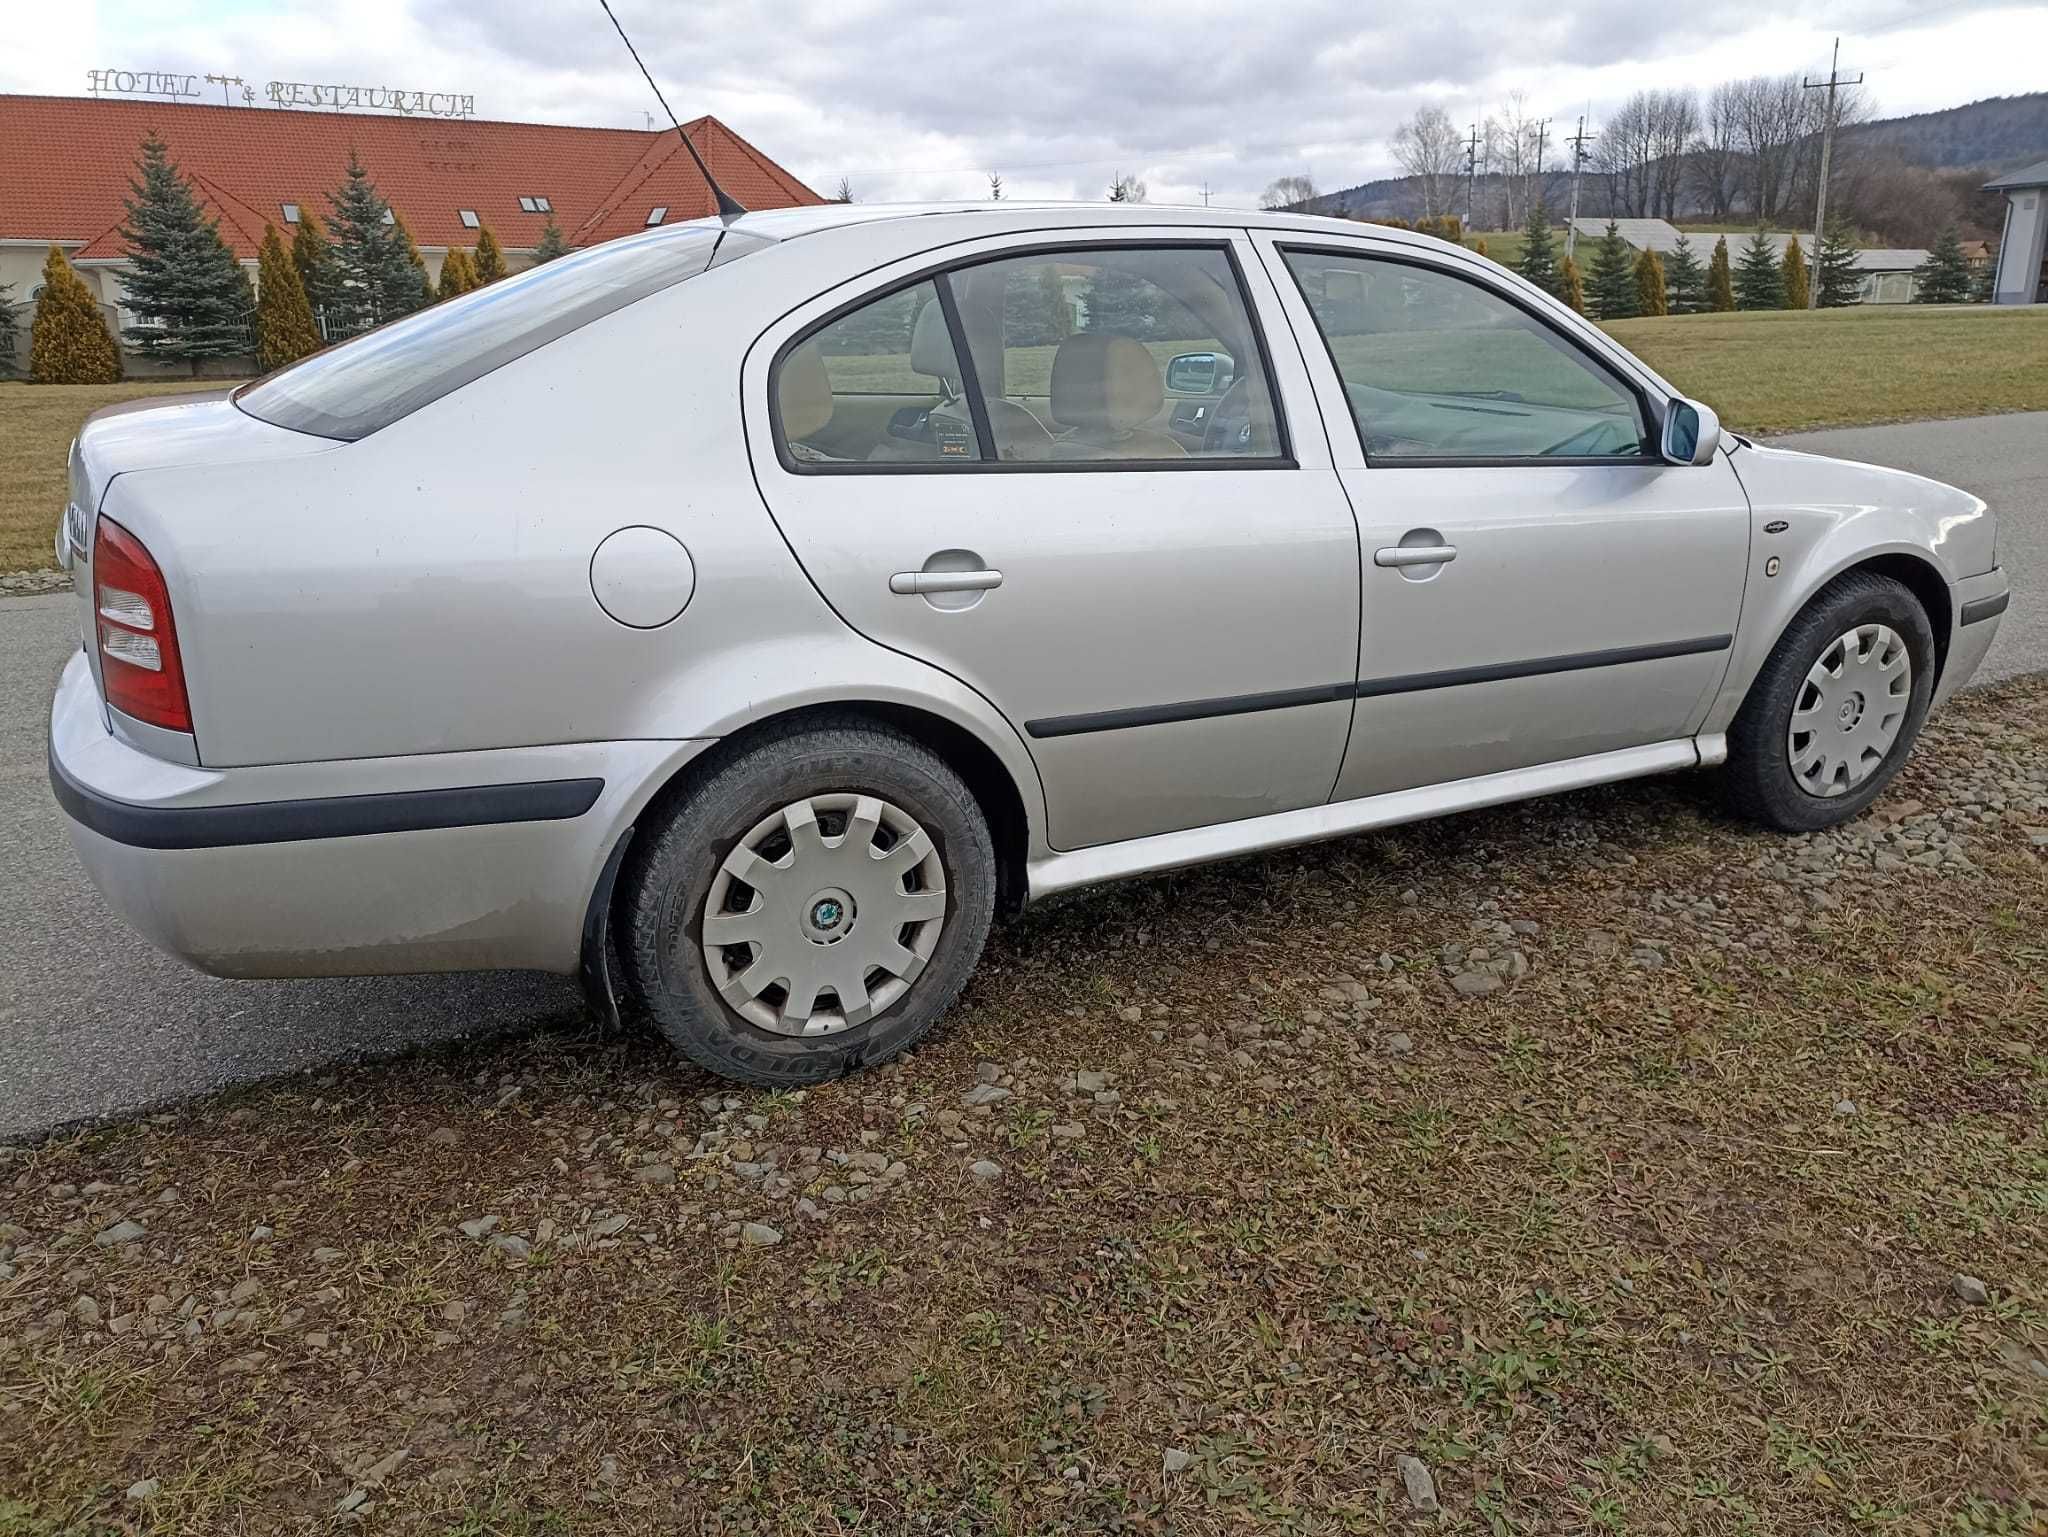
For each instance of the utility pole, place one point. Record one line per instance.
(1578, 142)
(1827, 146)
(1472, 178)
(1205, 194)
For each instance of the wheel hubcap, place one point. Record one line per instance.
(1850, 710)
(823, 914)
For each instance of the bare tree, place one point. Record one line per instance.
(1288, 191)
(1429, 148)
(1674, 121)
(845, 192)
(1716, 148)
(1510, 147)
(995, 186)
(1773, 118)
(1127, 189)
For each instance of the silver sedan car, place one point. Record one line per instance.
(742, 614)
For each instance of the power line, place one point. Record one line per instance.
(1827, 145)
(1578, 142)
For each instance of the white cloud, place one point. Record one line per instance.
(911, 100)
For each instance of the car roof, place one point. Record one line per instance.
(792, 223)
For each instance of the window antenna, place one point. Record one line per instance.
(728, 207)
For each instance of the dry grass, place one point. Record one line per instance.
(1784, 370)
(37, 424)
(1600, 1248)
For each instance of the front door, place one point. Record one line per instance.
(1537, 584)
(1151, 571)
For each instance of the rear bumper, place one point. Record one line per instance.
(1979, 601)
(442, 862)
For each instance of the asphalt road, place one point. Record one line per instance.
(94, 1023)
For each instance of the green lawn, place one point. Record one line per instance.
(37, 424)
(1782, 370)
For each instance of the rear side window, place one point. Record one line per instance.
(351, 390)
(879, 385)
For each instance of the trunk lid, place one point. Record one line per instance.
(155, 433)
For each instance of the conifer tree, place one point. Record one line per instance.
(1571, 287)
(551, 244)
(409, 287)
(367, 256)
(1834, 269)
(1611, 291)
(189, 295)
(1479, 245)
(488, 259)
(1983, 281)
(1793, 272)
(1720, 280)
(1945, 275)
(284, 320)
(1539, 259)
(1686, 279)
(6, 325)
(314, 259)
(1759, 280)
(68, 341)
(1651, 298)
(457, 275)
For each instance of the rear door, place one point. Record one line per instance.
(1158, 588)
(1537, 583)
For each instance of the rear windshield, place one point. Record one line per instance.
(351, 390)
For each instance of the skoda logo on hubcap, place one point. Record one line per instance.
(826, 914)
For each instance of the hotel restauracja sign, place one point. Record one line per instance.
(284, 93)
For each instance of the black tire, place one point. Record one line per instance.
(669, 874)
(1759, 779)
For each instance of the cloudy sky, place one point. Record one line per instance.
(908, 99)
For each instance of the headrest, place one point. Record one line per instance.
(1105, 382)
(931, 347)
(803, 393)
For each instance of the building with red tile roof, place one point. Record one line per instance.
(66, 163)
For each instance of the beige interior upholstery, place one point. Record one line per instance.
(931, 348)
(1018, 434)
(803, 393)
(1106, 389)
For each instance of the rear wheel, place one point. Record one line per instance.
(1836, 708)
(811, 907)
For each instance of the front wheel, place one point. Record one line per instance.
(810, 908)
(1836, 707)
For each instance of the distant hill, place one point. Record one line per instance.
(1996, 134)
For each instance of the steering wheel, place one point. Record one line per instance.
(1228, 430)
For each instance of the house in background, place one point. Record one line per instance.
(2022, 276)
(66, 164)
(1886, 276)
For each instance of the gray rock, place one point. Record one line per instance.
(1398, 1042)
(759, 1234)
(479, 1227)
(1845, 1107)
(985, 1169)
(616, 1223)
(511, 1245)
(1420, 1486)
(655, 1174)
(1088, 1081)
(1175, 1460)
(144, 1489)
(1476, 984)
(985, 1094)
(1970, 1290)
(125, 1231)
(326, 1256)
(443, 1136)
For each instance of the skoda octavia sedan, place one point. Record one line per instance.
(742, 614)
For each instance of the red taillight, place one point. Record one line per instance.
(139, 660)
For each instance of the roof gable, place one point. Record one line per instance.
(66, 163)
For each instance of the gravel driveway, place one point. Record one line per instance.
(94, 1023)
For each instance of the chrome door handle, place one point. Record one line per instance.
(1415, 555)
(911, 582)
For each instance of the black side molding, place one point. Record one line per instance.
(1367, 688)
(334, 816)
(1986, 608)
(1578, 661)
